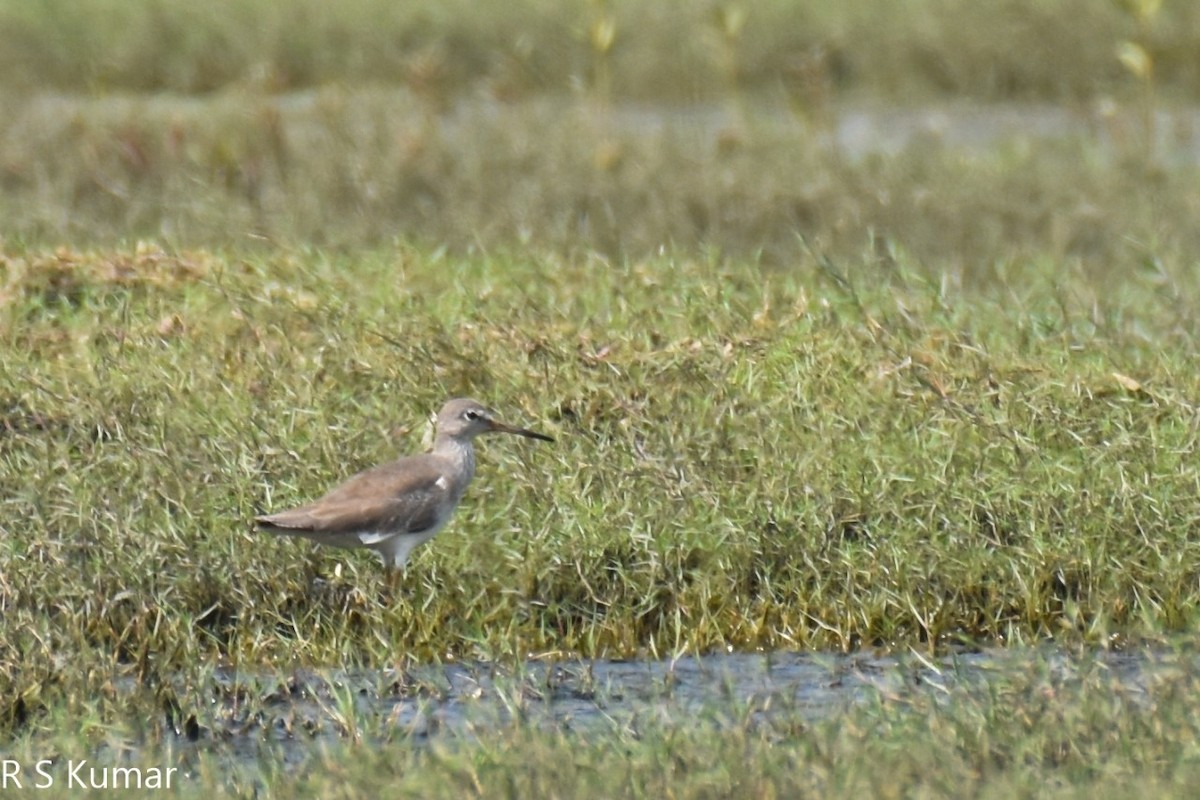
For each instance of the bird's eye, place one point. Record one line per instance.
(471, 414)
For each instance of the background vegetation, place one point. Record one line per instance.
(660, 52)
(624, 129)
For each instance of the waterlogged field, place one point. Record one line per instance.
(747, 458)
(876, 468)
(1023, 722)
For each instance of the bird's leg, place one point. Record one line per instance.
(395, 579)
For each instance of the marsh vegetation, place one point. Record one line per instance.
(922, 401)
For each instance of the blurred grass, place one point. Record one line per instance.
(1081, 735)
(1034, 729)
(664, 51)
(685, 128)
(348, 169)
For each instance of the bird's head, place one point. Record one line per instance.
(463, 418)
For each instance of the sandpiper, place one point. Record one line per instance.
(394, 507)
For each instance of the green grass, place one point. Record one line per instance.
(348, 169)
(803, 398)
(746, 459)
(1038, 727)
(662, 51)
(131, 129)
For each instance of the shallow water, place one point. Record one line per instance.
(855, 130)
(289, 718)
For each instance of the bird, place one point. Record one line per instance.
(394, 507)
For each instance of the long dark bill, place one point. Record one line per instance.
(502, 428)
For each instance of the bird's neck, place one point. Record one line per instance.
(459, 451)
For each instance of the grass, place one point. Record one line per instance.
(1041, 727)
(804, 398)
(130, 130)
(1032, 732)
(660, 52)
(352, 169)
(885, 464)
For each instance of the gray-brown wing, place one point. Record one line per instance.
(404, 495)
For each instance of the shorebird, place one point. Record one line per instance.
(394, 507)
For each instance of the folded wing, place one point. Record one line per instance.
(399, 497)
